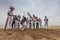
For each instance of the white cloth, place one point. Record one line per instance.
(23, 26)
(46, 22)
(10, 19)
(16, 23)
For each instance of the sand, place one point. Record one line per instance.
(30, 34)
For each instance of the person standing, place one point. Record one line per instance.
(23, 22)
(30, 24)
(10, 15)
(40, 20)
(35, 20)
(46, 22)
(9, 18)
(19, 17)
(27, 23)
(14, 21)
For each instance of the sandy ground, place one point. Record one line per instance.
(31, 34)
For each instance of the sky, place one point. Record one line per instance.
(41, 8)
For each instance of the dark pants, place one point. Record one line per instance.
(13, 24)
(30, 25)
(37, 25)
(34, 24)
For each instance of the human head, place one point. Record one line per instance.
(11, 8)
(27, 12)
(45, 16)
(19, 16)
(33, 15)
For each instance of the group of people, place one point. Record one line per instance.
(15, 20)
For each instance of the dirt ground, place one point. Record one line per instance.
(30, 34)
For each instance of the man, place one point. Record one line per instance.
(14, 21)
(23, 22)
(46, 22)
(10, 15)
(40, 22)
(30, 24)
(19, 17)
(9, 18)
(35, 19)
(27, 23)
(30, 20)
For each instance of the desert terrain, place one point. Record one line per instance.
(31, 34)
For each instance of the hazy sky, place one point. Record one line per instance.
(41, 8)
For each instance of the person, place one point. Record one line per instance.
(14, 22)
(37, 24)
(19, 17)
(46, 22)
(23, 22)
(27, 23)
(40, 20)
(10, 17)
(35, 19)
(30, 24)
(30, 20)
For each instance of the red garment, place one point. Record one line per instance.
(36, 18)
